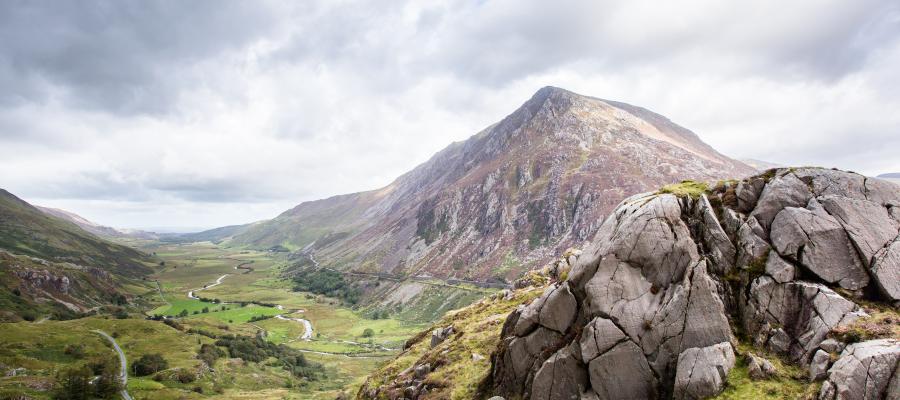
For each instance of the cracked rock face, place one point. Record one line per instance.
(864, 371)
(702, 371)
(647, 309)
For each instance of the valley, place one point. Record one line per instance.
(213, 291)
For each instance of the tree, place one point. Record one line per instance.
(368, 333)
(74, 384)
(150, 364)
(108, 384)
(183, 313)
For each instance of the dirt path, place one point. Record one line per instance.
(123, 362)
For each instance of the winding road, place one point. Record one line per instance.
(308, 328)
(123, 364)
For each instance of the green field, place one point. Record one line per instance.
(338, 342)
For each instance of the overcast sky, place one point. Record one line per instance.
(198, 114)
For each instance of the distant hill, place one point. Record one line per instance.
(25, 229)
(95, 228)
(760, 165)
(215, 235)
(505, 200)
(891, 177)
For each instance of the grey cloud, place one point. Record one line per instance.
(118, 56)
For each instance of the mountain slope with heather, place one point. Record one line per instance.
(504, 200)
(26, 230)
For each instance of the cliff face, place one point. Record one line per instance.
(682, 286)
(654, 306)
(508, 198)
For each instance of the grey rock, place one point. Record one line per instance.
(719, 247)
(496, 398)
(422, 370)
(600, 335)
(886, 271)
(636, 230)
(825, 182)
(561, 377)
(816, 240)
(779, 269)
(589, 395)
(882, 192)
(818, 367)
(751, 245)
(759, 368)
(440, 334)
(522, 355)
(780, 342)
(702, 372)
(529, 316)
(785, 190)
(622, 373)
(867, 223)
(864, 371)
(559, 309)
(747, 193)
(832, 346)
(808, 311)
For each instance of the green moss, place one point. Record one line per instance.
(789, 382)
(686, 188)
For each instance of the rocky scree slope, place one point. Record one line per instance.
(514, 195)
(655, 306)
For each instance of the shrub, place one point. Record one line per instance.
(209, 354)
(150, 364)
(75, 350)
(368, 333)
(185, 375)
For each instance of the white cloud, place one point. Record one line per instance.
(226, 115)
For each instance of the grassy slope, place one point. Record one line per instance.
(477, 332)
(26, 230)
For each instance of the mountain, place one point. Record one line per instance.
(215, 235)
(95, 228)
(26, 230)
(783, 285)
(760, 165)
(506, 199)
(891, 177)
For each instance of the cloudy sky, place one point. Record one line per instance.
(205, 113)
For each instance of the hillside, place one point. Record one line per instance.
(26, 230)
(95, 228)
(506, 199)
(782, 285)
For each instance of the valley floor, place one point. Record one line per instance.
(249, 295)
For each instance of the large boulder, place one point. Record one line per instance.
(622, 373)
(702, 371)
(864, 371)
(561, 377)
(816, 240)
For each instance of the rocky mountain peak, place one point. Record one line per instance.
(506, 199)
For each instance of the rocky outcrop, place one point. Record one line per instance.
(866, 370)
(648, 310)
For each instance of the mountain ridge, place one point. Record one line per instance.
(514, 191)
